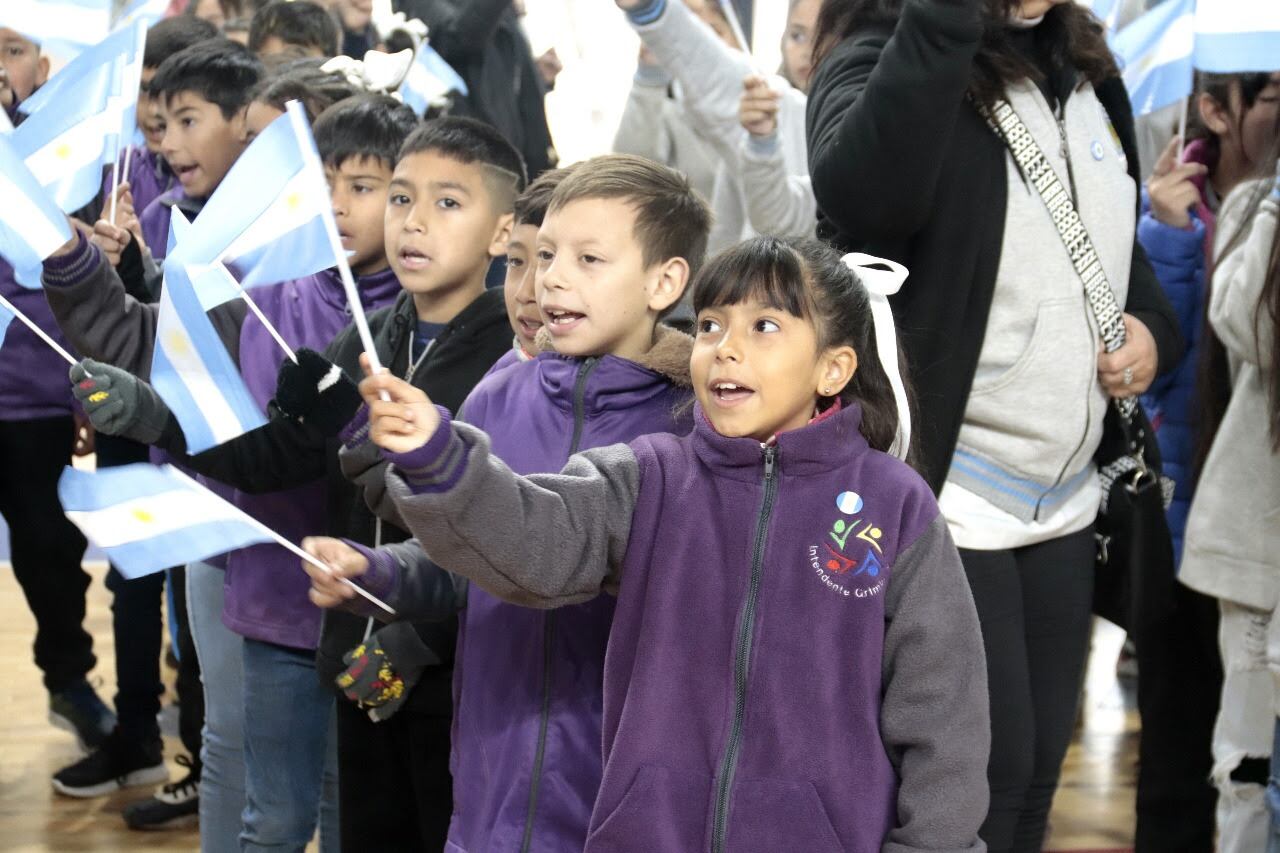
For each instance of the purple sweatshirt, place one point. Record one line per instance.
(155, 218)
(795, 661)
(33, 378)
(149, 178)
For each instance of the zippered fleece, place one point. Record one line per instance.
(859, 677)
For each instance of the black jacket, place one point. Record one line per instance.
(287, 453)
(905, 168)
(483, 42)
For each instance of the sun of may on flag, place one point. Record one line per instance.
(192, 371)
(147, 517)
(31, 225)
(265, 222)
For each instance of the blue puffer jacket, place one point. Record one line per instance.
(1178, 256)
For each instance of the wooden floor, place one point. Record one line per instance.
(1093, 811)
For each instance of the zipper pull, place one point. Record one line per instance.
(770, 455)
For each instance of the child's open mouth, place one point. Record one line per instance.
(185, 174)
(528, 328)
(561, 321)
(730, 393)
(413, 260)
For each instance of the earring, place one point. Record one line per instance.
(826, 392)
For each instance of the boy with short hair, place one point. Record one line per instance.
(23, 69)
(448, 213)
(202, 91)
(522, 266)
(357, 139)
(298, 28)
(621, 239)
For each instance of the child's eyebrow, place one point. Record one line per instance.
(448, 185)
(401, 183)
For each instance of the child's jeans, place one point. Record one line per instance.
(290, 752)
(222, 751)
(1243, 735)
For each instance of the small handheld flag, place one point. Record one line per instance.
(1155, 56)
(148, 517)
(430, 80)
(31, 226)
(78, 22)
(1234, 36)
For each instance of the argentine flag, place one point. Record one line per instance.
(265, 223)
(1237, 35)
(31, 226)
(147, 518)
(77, 22)
(192, 371)
(147, 11)
(1108, 11)
(1155, 54)
(429, 80)
(66, 143)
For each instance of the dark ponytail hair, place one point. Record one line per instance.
(807, 279)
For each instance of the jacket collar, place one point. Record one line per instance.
(669, 355)
(485, 310)
(612, 383)
(825, 443)
(376, 290)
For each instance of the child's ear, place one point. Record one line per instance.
(836, 368)
(42, 71)
(502, 235)
(240, 126)
(667, 286)
(1215, 115)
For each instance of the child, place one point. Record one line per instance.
(284, 755)
(37, 433)
(619, 241)
(1231, 545)
(450, 201)
(522, 266)
(293, 29)
(1178, 662)
(793, 624)
(202, 92)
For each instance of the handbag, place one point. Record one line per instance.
(1134, 576)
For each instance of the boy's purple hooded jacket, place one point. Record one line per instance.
(795, 661)
(266, 596)
(33, 378)
(528, 683)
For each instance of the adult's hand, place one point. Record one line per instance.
(1135, 362)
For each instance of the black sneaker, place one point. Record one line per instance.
(176, 806)
(121, 762)
(79, 711)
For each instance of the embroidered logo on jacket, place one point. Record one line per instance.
(849, 559)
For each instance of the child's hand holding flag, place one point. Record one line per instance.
(331, 589)
(402, 418)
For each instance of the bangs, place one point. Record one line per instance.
(764, 269)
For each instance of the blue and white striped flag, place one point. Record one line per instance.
(147, 517)
(147, 11)
(31, 226)
(1155, 55)
(266, 221)
(75, 22)
(192, 371)
(429, 80)
(1108, 11)
(66, 143)
(1237, 35)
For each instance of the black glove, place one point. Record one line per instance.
(316, 391)
(373, 680)
(119, 403)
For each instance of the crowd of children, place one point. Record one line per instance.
(684, 550)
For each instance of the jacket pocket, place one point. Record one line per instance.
(661, 811)
(774, 814)
(1060, 330)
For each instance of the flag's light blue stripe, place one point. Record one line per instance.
(98, 59)
(250, 187)
(190, 544)
(1162, 87)
(1226, 53)
(304, 251)
(14, 246)
(6, 317)
(86, 491)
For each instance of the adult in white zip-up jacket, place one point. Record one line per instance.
(762, 185)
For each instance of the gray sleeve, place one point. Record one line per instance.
(417, 589)
(779, 204)
(103, 322)
(362, 464)
(1241, 274)
(642, 130)
(935, 714)
(542, 541)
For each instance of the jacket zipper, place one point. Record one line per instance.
(549, 620)
(742, 660)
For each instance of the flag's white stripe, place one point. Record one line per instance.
(71, 22)
(23, 216)
(298, 202)
(1177, 43)
(147, 517)
(78, 147)
(1237, 16)
(173, 340)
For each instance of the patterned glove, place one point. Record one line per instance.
(316, 391)
(119, 403)
(376, 682)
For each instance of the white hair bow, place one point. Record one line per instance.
(377, 72)
(881, 284)
(388, 24)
